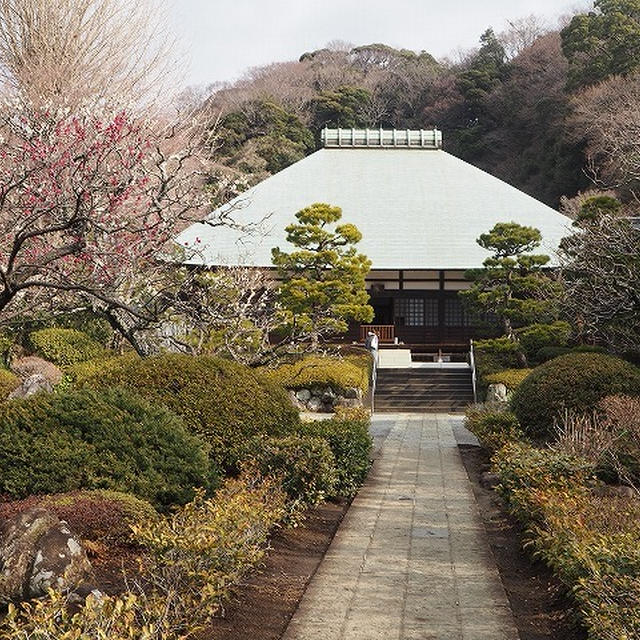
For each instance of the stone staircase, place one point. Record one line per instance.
(423, 390)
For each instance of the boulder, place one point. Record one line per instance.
(38, 552)
(294, 399)
(32, 385)
(304, 395)
(351, 403)
(328, 396)
(20, 536)
(615, 491)
(30, 365)
(60, 562)
(314, 405)
(489, 480)
(352, 393)
(496, 394)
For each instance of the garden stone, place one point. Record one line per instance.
(304, 395)
(351, 403)
(20, 536)
(329, 396)
(294, 400)
(608, 491)
(60, 562)
(38, 552)
(496, 394)
(489, 480)
(32, 385)
(314, 405)
(352, 393)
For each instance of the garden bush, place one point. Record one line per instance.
(99, 516)
(350, 442)
(205, 548)
(64, 347)
(494, 427)
(574, 382)
(510, 378)
(540, 336)
(494, 355)
(318, 371)
(223, 402)
(8, 382)
(548, 353)
(51, 443)
(304, 466)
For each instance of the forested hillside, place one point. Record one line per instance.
(551, 112)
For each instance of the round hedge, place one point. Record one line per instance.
(576, 381)
(112, 439)
(222, 401)
(64, 347)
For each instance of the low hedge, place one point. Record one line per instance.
(495, 355)
(317, 371)
(540, 336)
(223, 402)
(8, 383)
(510, 378)
(100, 515)
(548, 353)
(494, 427)
(350, 442)
(575, 382)
(592, 543)
(51, 443)
(304, 466)
(65, 347)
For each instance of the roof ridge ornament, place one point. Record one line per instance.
(382, 138)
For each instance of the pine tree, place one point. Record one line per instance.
(323, 280)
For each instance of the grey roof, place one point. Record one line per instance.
(416, 209)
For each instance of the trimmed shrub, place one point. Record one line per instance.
(304, 466)
(494, 427)
(538, 336)
(51, 443)
(317, 371)
(510, 378)
(548, 353)
(350, 443)
(64, 347)
(8, 383)
(201, 551)
(574, 382)
(100, 516)
(493, 356)
(223, 402)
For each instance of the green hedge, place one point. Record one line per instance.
(315, 371)
(494, 427)
(492, 356)
(575, 381)
(223, 402)
(540, 336)
(51, 443)
(65, 347)
(548, 353)
(510, 378)
(8, 382)
(350, 443)
(591, 543)
(304, 465)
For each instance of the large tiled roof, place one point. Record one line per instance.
(416, 208)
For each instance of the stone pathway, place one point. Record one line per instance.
(410, 560)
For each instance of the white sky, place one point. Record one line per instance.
(222, 38)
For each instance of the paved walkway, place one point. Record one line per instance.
(410, 560)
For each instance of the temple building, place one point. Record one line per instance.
(420, 211)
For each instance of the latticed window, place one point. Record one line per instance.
(431, 312)
(409, 312)
(454, 315)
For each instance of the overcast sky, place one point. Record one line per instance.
(222, 38)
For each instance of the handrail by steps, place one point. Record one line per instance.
(472, 364)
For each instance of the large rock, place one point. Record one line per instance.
(38, 552)
(303, 395)
(30, 365)
(32, 385)
(59, 563)
(496, 394)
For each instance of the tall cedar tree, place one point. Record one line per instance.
(512, 285)
(323, 280)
